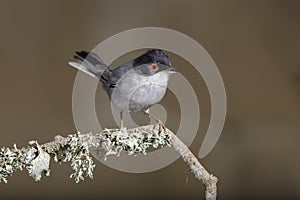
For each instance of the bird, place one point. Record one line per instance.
(133, 86)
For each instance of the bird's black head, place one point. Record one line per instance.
(153, 61)
(157, 56)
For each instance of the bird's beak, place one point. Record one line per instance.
(172, 70)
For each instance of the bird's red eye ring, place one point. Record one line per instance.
(154, 67)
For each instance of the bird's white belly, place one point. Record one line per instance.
(146, 96)
(140, 92)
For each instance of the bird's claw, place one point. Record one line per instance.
(161, 126)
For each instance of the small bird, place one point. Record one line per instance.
(133, 86)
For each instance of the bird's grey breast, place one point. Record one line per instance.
(136, 92)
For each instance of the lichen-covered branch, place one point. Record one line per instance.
(75, 149)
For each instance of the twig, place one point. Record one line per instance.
(200, 172)
(189, 158)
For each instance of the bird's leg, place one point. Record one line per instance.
(161, 125)
(122, 121)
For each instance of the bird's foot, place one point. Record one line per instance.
(161, 126)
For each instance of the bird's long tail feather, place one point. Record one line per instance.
(89, 63)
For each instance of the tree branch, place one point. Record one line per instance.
(75, 149)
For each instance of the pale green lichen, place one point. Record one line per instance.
(77, 152)
(76, 149)
(34, 160)
(11, 160)
(39, 162)
(133, 142)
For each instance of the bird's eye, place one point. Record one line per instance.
(153, 67)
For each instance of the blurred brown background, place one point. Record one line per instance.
(255, 44)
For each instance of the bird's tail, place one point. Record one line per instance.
(89, 63)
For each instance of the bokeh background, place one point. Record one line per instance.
(255, 44)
